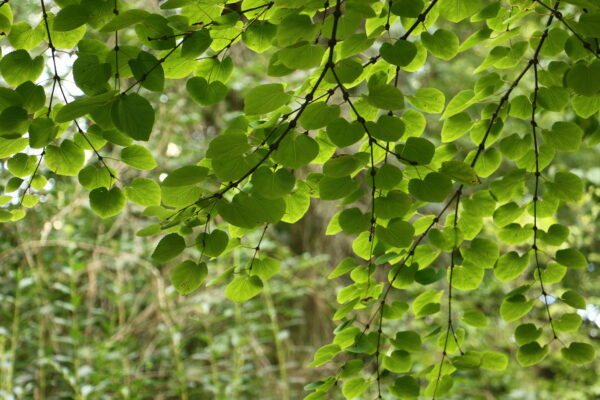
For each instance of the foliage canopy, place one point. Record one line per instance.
(418, 173)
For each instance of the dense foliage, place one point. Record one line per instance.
(443, 188)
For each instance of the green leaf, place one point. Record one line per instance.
(352, 221)
(214, 70)
(71, 17)
(564, 136)
(407, 8)
(23, 36)
(347, 71)
(196, 44)
(573, 299)
(250, 211)
(148, 70)
(345, 266)
(482, 252)
(427, 303)
(417, 150)
(553, 98)
(571, 258)
(520, 107)
(133, 115)
(296, 151)
(83, 106)
(460, 172)
(457, 10)
(227, 146)
(494, 361)
(33, 96)
(583, 79)
(354, 387)
(531, 354)
(42, 132)
(407, 340)
(405, 386)
(325, 354)
(507, 213)
(398, 361)
(446, 239)
(395, 204)
(553, 273)
(243, 288)
(259, 35)
(303, 56)
(205, 93)
(387, 177)
(338, 167)
(527, 333)
(388, 128)
(336, 188)
(295, 28)
(107, 203)
(124, 19)
(67, 39)
(265, 267)
(579, 353)
(511, 265)
(168, 247)
(556, 234)
(434, 188)
(22, 165)
(188, 175)
(318, 114)
(468, 361)
(514, 307)
(138, 157)
(343, 133)
(18, 67)
(144, 192)
(386, 97)
(13, 121)
(395, 310)
(272, 185)
(401, 53)
(459, 102)
(455, 127)
(467, 276)
(430, 100)
(475, 318)
(188, 276)
(442, 44)
(265, 98)
(92, 177)
(90, 75)
(398, 233)
(66, 159)
(569, 322)
(566, 186)
(212, 244)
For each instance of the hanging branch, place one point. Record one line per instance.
(57, 82)
(265, 8)
(37, 167)
(537, 174)
(450, 325)
(117, 81)
(587, 45)
(257, 248)
(187, 35)
(458, 192)
(291, 125)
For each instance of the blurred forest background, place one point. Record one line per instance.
(84, 314)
